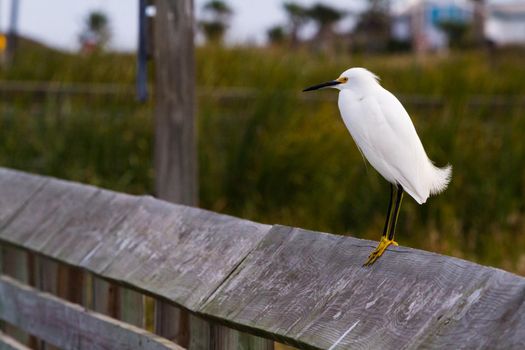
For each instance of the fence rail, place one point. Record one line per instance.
(50, 88)
(68, 325)
(300, 287)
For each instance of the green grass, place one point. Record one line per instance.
(276, 158)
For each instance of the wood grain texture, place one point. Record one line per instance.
(16, 265)
(309, 289)
(172, 323)
(304, 288)
(17, 188)
(175, 136)
(131, 307)
(8, 343)
(46, 275)
(71, 284)
(177, 253)
(176, 178)
(203, 249)
(67, 325)
(45, 278)
(200, 334)
(224, 338)
(105, 298)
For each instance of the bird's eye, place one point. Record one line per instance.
(344, 79)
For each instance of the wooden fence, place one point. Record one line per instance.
(75, 254)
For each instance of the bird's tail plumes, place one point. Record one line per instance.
(440, 179)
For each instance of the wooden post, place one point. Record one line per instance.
(175, 144)
(45, 278)
(70, 284)
(105, 297)
(224, 338)
(131, 307)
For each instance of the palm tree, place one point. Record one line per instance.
(455, 32)
(297, 18)
(326, 17)
(276, 35)
(219, 14)
(373, 27)
(96, 33)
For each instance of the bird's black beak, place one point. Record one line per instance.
(322, 85)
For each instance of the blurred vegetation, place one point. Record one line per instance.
(456, 33)
(96, 33)
(218, 16)
(274, 155)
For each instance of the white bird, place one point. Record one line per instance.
(386, 136)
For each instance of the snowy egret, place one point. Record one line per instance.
(385, 135)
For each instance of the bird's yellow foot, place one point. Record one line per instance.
(383, 244)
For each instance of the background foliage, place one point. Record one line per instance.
(275, 155)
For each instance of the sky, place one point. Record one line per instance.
(58, 22)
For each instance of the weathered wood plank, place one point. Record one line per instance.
(172, 323)
(131, 307)
(224, 338)
(8, 343)
(48, 211)
(176, 178)
(208, 246)
(301, 287)
(175, 136)
(16, 188)
(149, 314)
(280, 346)
(491, 316)
(250, 342)
(105, 297)
(15, 264)
(45, 273)
(204, 248)
(123, 238)
(200, 334)
(310, 290)
(67, 325)
(70, 284)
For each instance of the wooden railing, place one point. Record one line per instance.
(75, 254)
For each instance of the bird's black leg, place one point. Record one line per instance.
(395, 216)
(389, 212)
(390, 225)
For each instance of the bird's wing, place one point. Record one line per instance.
(364, 120)
(401, 146)
(398, 119)
(384, 132)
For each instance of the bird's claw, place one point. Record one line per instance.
(376, 254)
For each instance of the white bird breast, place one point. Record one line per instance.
(385, 134)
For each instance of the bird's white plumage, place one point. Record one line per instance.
(385, 134)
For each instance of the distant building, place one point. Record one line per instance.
(505, 23)
(418, 21)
